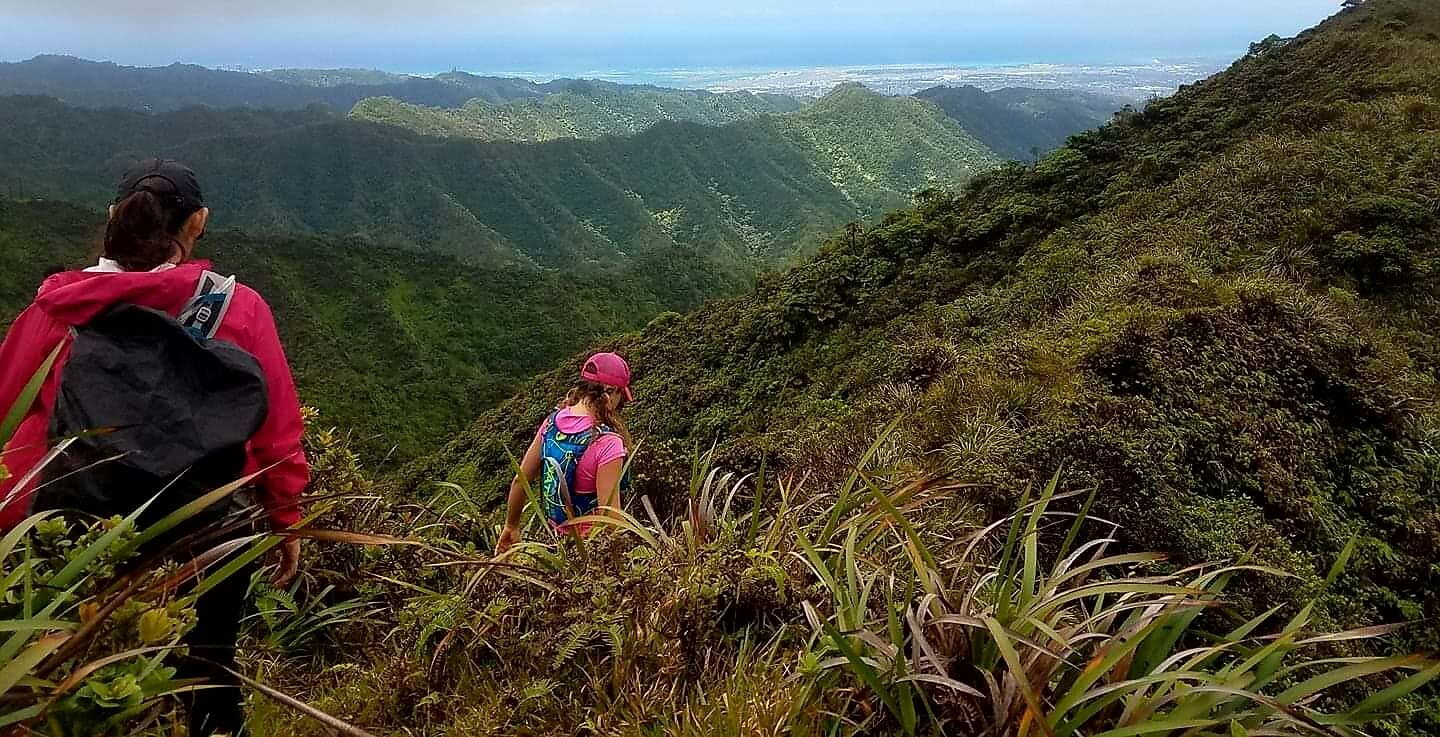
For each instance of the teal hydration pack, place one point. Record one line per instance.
(561, 453)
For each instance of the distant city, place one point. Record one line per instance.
(1133, 82)
(1130, 81)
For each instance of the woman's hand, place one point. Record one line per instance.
(289, 562)
(508, 537)
(515, 500)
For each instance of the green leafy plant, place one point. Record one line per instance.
(290, 625)
(91, 616)
(1082, 641)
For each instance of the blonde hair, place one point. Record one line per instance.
(597, 397)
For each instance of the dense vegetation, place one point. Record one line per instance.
(825, 611)
(429, 276)
(1210, 324)
(1021, 123)
(574, 109)
(398, 345)
(1218, 312)
(749, 193)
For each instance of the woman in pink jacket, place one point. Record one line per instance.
(157, 220)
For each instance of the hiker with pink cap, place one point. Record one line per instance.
(577, 459)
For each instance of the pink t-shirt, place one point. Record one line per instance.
(604, 449)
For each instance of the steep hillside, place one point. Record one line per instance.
(867, 144)
(399, 346)
(747, 194)
(1017, 122)
(1219, 312)
(580, 109)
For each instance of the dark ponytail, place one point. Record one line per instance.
(142, 231)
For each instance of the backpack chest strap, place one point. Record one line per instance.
(206, 310)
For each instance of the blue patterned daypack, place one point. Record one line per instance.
(561, 453)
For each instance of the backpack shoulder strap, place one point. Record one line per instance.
(550, 427)
(202, 317)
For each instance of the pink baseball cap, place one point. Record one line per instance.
(608, 369)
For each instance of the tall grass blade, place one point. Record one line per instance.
(236, 564)
(867, 674)
(1353, 672)
(536, 505)
(12, 538)
(34, 625)
(655, 519)
(623, 521)
(1080, 519)
(34, 472)
(337, 725)
(842, 504)
(1017, 671)
(188, 511)
(26, 399)
(1007, 556)
(817, 563)
(1162, 726)
(1385, 697)
(753, 529)
(79, 564)
(1338, 567)
(21, 715)
(910, 531)
(19, 667)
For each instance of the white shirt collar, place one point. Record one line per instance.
(111, 266)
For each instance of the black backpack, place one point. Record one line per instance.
(150, 404)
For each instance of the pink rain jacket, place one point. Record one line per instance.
(73, 298)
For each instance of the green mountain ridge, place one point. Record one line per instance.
(332, 77)
(103, 85)
(1016, 123)
(580, 110)
(458, 104)
(752, 193)
(1218, 312)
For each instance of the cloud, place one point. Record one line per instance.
(247, 10)
(419, 35)
(180, 12)
(342, 11)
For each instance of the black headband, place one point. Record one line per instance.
(173, 198)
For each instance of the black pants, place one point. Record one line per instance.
(219, 709)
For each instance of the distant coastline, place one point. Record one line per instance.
(1132, 81)
(1129, 81)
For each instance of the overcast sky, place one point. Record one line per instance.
(571, 36)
